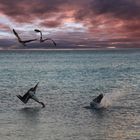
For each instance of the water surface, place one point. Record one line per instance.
(69, 80)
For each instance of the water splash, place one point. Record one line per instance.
(116, 94)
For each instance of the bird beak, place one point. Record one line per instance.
(43, 105)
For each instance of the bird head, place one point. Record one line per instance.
(36, 30)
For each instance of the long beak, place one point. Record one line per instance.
(43, 105)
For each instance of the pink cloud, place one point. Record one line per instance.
(105, 20)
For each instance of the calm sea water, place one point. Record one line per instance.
(69, 80)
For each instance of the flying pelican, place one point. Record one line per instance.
(30, 94)
(41, 38)
(21, 41)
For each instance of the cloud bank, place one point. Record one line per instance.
(86, 23)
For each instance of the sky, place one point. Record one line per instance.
(71, 23)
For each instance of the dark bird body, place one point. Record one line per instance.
(95, 104)
(30, 94)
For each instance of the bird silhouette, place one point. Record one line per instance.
(41, 38)
(30, 94)
(23, 42)
(96, 102)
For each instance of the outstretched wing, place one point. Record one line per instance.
(15, 33)
(51, 40)
(26, 41)
(35, 87)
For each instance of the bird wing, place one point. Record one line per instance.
(51, 40)
(26, 41)
(15, 33)
(24, 98)
(35, 86)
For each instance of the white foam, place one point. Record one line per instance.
(116, 94)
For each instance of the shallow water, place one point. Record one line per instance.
(69, 80)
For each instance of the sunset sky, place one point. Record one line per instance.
(71, 23)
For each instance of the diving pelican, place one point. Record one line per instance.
(30, 94)
(21, 41)
(96, 102)
(41, 38)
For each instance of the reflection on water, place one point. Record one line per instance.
(28, 122)
(30, 114)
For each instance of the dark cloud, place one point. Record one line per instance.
(106, 21)
(124, 9)
(27, 11)
(51, 24)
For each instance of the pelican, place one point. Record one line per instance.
(41, 38)
(96, 102)
(30, 94)
(21, 41)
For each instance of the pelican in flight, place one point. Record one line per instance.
(21, 41)
(30, 94)
(41, 38)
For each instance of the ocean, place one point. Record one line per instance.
(68, 81)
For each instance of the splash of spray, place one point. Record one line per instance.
(116, 94)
